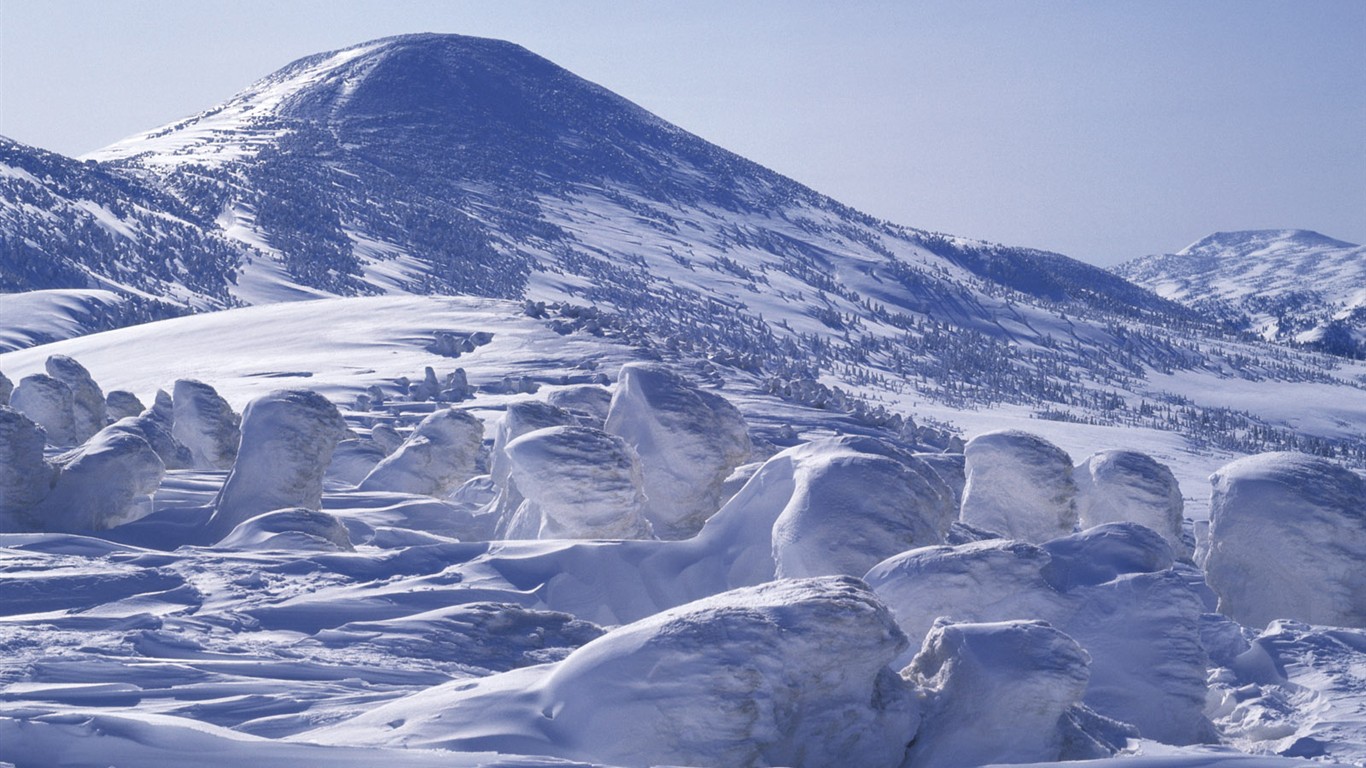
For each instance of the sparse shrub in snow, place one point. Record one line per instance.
(1019, 485)
(25, 478)
(588, 402)
(106, 482)
(789, 673)
(437, 457)
(48, 402)
(1287, 540)
(576, 483)
(1006, 692)
(294, 530)
(88, 409)
(206, 424)
(119, 404)
(688, 441)
(1114, 486)
(287, 441)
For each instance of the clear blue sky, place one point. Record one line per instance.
(1104, 130)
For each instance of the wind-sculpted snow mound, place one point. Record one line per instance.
(155, 425)
(1007, 692)
(790, 673)
(588, 402)
(106, 482)
(1115, 486)
(436, 459)
(1020, 486)
(295, 530)
(206, 424)
(576, 483)
(287, 441)
(519, 419)
(809, 511)
(1287, 540)
(688, 441)
(120, 404)
(354, 459)
(49, 403)
(1111, 588)
(88, 408)
(25, 478)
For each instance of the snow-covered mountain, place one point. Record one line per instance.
(1289, 285)
(442, 164)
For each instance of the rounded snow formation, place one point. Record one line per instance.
(25, 478)
(996, 693)
(155, 426)
(354, 459)
(952, 469)
(788, 673)
(49, 403)
(688, 441)
(106, 482)
(119, 404)
(206, 424)
(88, 414)
(1020, 486)
(576, 483)
(386, 437)
(589, 402)
(438, 457)
(293, 530)
(809, 509)
(287, 441)
(850, 509)
(1111, 588)
(1118, 486)
(519, 419)
(1287, 540)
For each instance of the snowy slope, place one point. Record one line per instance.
(1284, 285)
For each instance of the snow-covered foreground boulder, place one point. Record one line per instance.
(519, 419)
(1005, 692)
(1111, 588)
(1287, 540)
(48, 403)
(1119, 486)
(810, 510)
(294, 530)
(25, 478)
(576, 483)
(106, 482)
(287, 441)
(790, 673)
(206, 424)
(688, 441)
(436, 459)
(1020, 486)
(88, 412)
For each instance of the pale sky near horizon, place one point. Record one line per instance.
(1102, 130)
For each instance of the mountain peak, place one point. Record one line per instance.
(1239, 243)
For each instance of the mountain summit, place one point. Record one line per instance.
(1286, 285)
